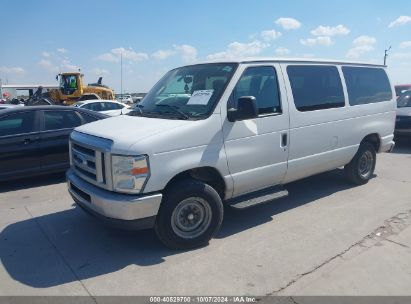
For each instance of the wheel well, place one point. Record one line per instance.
(374, 139)
(207, 175)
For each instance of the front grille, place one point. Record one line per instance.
(80, 193)
(84, 160)
(88, 155)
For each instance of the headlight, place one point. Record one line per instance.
(130, 173)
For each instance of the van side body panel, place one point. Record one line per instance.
(326, 139)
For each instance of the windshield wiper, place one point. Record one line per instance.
(175, 110)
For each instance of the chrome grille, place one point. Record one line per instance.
(89, 157)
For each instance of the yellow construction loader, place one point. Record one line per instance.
(71, 89)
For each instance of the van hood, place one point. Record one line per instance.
(126, 130)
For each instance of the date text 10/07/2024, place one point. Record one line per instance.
(205, 299)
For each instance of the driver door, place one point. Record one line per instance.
(257, 149)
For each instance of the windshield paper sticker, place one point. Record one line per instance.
(200, 97)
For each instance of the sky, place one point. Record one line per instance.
(40, 39)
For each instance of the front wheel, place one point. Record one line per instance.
(361, 168)
(190, 215)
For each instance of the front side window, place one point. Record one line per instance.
(260, 82)
(18, 123)
(366, 85)
(55, 120)
(189, 92)
(315, 87)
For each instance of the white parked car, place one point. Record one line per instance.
(126, 99)
(4, 106)
(108, 107)
(231, 133)
(403, 120)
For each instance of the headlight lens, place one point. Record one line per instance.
(129, 173)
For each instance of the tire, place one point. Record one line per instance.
(361, 168)
(190, 215)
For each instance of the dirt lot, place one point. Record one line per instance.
(326, 238)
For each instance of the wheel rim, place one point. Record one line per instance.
(365, 164)
(191, 217)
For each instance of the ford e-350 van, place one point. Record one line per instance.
(229, 133)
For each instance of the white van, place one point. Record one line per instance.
(229, 133)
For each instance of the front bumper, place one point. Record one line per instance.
(387, 143)
(120, 210)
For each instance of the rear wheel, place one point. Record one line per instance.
(190, 215)
(361, 168)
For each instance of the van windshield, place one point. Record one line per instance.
(404, 100)
(189, 92)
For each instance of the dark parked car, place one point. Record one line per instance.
(403, 120)
(34, 140)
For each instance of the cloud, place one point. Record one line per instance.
(281, 51)
(66, 66)
(364, 40)
(100, 72)
(362, 44)
(270, 35)
(320, 40)
(48, 65)
(288, 23)
(163, 54)
(405, 44)
(45, 54)
(12, 70)
(62, 50)
(108, 57)
(188, 52)
(401, 55)
(238, 49)
(401, 20)
(330, 31)
(128, 54)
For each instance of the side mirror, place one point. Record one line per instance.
(246, 109)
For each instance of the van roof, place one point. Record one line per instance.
(293, 60)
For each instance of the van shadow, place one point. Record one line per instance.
(63, 247)
(32, 182)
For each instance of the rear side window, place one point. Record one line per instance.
(107, 106)
(366, 85)
(19, 123)
(94, 106)
(55, 120)
(315, 87)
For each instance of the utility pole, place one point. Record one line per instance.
(121, 77)
(386, 55)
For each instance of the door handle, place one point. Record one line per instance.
(284, 140)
